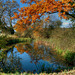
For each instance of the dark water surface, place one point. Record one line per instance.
(31, 57)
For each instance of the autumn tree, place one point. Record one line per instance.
(38, 8)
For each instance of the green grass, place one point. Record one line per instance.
(7, 41)
(3, 42)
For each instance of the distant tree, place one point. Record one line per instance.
(2, 26)
(12, 6)
(6, 11)
(58, 23)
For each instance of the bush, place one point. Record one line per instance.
(70, 57)
(3, 42)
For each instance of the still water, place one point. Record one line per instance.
(31, 57)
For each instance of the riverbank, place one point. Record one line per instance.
(71, 72)
(61, 40)
(67, 55)
(12, 43)
(46, 42)
(7, 41)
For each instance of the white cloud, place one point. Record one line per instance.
(65, 23)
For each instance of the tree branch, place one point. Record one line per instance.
(71, 15)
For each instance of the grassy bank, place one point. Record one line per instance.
(61, 40)
(6, 41)
(67, 55)
(65, 50)
(71, 72)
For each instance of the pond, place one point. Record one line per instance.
(31, 57)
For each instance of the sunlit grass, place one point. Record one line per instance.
(65, 72)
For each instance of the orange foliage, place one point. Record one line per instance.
(47, 18)
(28, 15)
(32, 27)
(21, 49)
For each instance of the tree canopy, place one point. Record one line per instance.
(37, 8)
(7, 7)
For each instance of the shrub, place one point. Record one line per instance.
(3, 42)
(70, 57)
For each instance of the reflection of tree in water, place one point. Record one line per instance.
(11, 63)
(36, 51)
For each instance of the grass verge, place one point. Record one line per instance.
(67, 55)
(71, 72)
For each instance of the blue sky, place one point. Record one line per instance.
(65, 23)
(21, 5)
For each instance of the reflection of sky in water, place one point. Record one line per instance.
(28, 64)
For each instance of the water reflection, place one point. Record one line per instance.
(32, 57)
(10, 63)
(35, 51)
